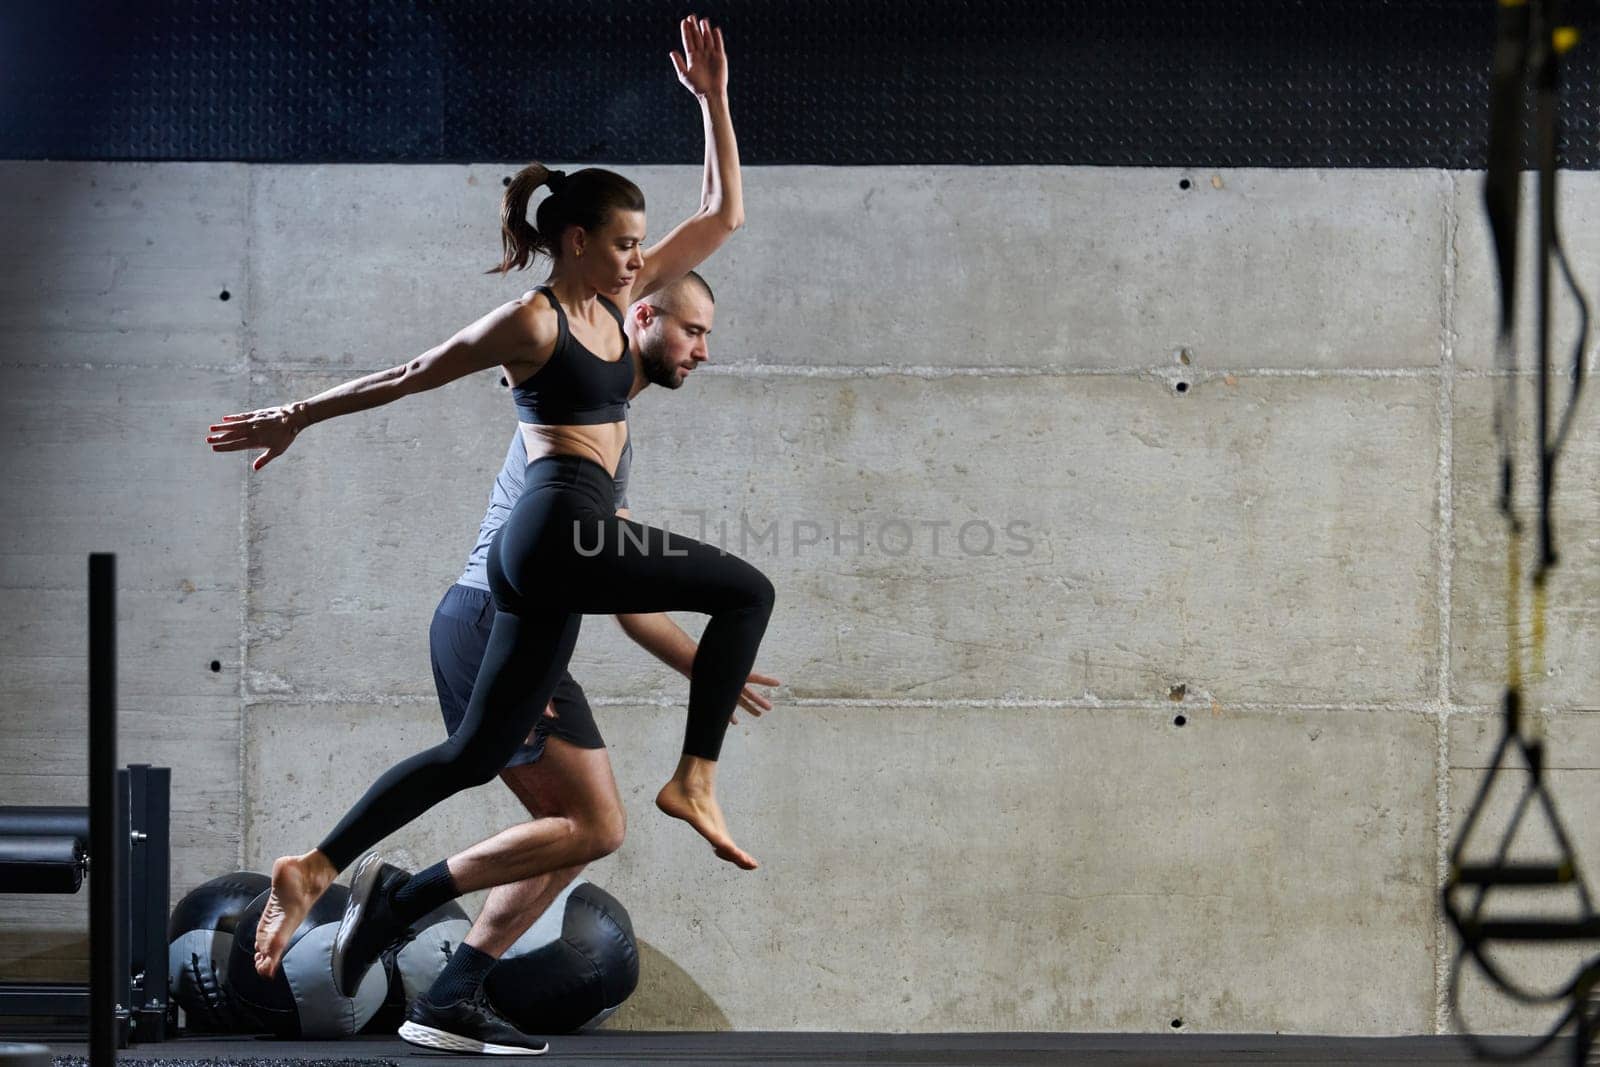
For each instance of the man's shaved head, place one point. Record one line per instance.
(670, 298)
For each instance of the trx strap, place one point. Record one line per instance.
(1531, 38)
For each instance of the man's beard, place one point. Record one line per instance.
(656, 370)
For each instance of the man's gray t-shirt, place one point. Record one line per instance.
(503, 497)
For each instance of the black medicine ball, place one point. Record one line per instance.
(572, 969)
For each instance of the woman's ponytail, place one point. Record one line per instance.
(520, 240)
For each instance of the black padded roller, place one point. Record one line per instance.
(40, 864)
(41, 821)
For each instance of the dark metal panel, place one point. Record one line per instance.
(1365, 83)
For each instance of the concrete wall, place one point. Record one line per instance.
(1186, 748)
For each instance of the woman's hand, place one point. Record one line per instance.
(273, 429)
(702, 66)
(703, 69)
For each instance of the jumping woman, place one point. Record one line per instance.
(563, 551)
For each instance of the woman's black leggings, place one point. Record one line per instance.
(562, 554)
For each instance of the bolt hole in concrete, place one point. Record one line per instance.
(1182, 387)
(226, 295)
(1177, 1024)
(506, 181)
(1179, 721)
(1184, 184)
(216, 666)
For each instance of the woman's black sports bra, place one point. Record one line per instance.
(575, 387)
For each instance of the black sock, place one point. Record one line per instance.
(424, 891)
(462, 976)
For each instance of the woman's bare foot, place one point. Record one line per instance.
(297, 882)
(691, 796)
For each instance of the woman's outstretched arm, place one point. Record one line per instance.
(703, 70)
(514, 333)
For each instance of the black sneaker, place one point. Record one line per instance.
(470, 1026)
(370, 924)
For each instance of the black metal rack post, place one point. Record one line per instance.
(106, 815)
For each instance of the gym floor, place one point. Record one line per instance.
(618, 1047)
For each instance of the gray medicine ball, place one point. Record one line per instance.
(199, 940)
(299, 1000)
(416, 960)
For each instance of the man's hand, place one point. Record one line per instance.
(549, 713)
(752, 701)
